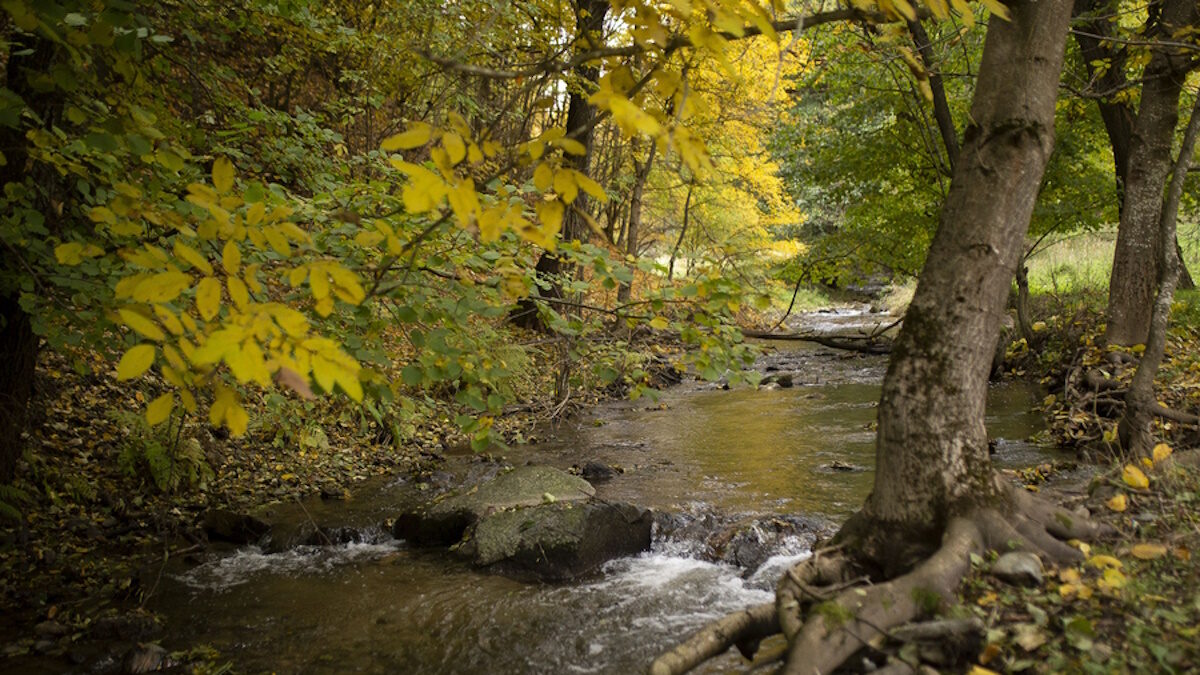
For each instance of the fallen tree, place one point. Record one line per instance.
(936, 499)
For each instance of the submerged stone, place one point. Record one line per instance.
(233, 527)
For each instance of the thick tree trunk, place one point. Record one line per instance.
(641, 173)
(581, 116)
(1135, 272)
(932, 456)
(27, 56)
(18, 358)
(1136, 426)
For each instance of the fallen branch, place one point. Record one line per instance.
(747, 626)
(864, 344)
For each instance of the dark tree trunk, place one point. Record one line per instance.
(1135, 271)
(18, 358)
(641, 173)
(581, 116)
(941, 108)
(1116, 114)
(18, 343)
(683, 228)
(932, 456)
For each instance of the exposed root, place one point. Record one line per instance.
(742, 628)
(828, 614)
(861, 617)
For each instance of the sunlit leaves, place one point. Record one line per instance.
(222, 175)
(416, 135)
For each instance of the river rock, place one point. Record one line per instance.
(444, 521)
(595, 472)
(1018, 567)
(233, 527)
(557, 541)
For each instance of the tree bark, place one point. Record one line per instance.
(641, 173)
(28, 55)
(931, 450)
(1136, 426)
(1136, 260)
(581, 115)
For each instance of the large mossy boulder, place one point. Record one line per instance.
(532, 522)
(557, 541)
(444, 521)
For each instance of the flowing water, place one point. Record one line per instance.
(701, 453)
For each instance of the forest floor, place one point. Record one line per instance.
(76, 569)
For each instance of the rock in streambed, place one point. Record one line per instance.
(533, 522)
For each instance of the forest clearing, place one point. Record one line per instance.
(599, 336)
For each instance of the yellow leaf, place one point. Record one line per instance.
(1161, 452)
(1134, 477)
(659, 323)
(564, 185)
(69, 254)
(141, 324)
(167, 318)
(161, 287)
(236, 419)
(465, 202)
(551, 215)
(996, 7)
(192, 257)
(1148, 551)
(1118, 503)
(346, 285)
(571, 146)
(980, 670)
(277, 241)
(255, 213)
(222, 174)
(238, 292)
(135, 362)
(1104, 562)
(456, 149)
(318, 282)
(208, 298)
(543, 177)
(417, 134)
(591, 187)
(247, 364)
(159, 410)
(231, 258)
(1113, 579)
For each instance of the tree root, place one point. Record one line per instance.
(827, 614)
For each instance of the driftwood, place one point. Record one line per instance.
(865, 344)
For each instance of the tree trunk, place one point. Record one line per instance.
(1136, 426)
(931, 454)
(641, 172)
(1135, 272)
(687, 213)
(941, 108)
(581, 115)
(18, 344)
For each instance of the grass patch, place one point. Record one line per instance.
(1076, 264)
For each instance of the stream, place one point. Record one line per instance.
(700, 455)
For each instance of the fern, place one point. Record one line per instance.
(10, 497)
